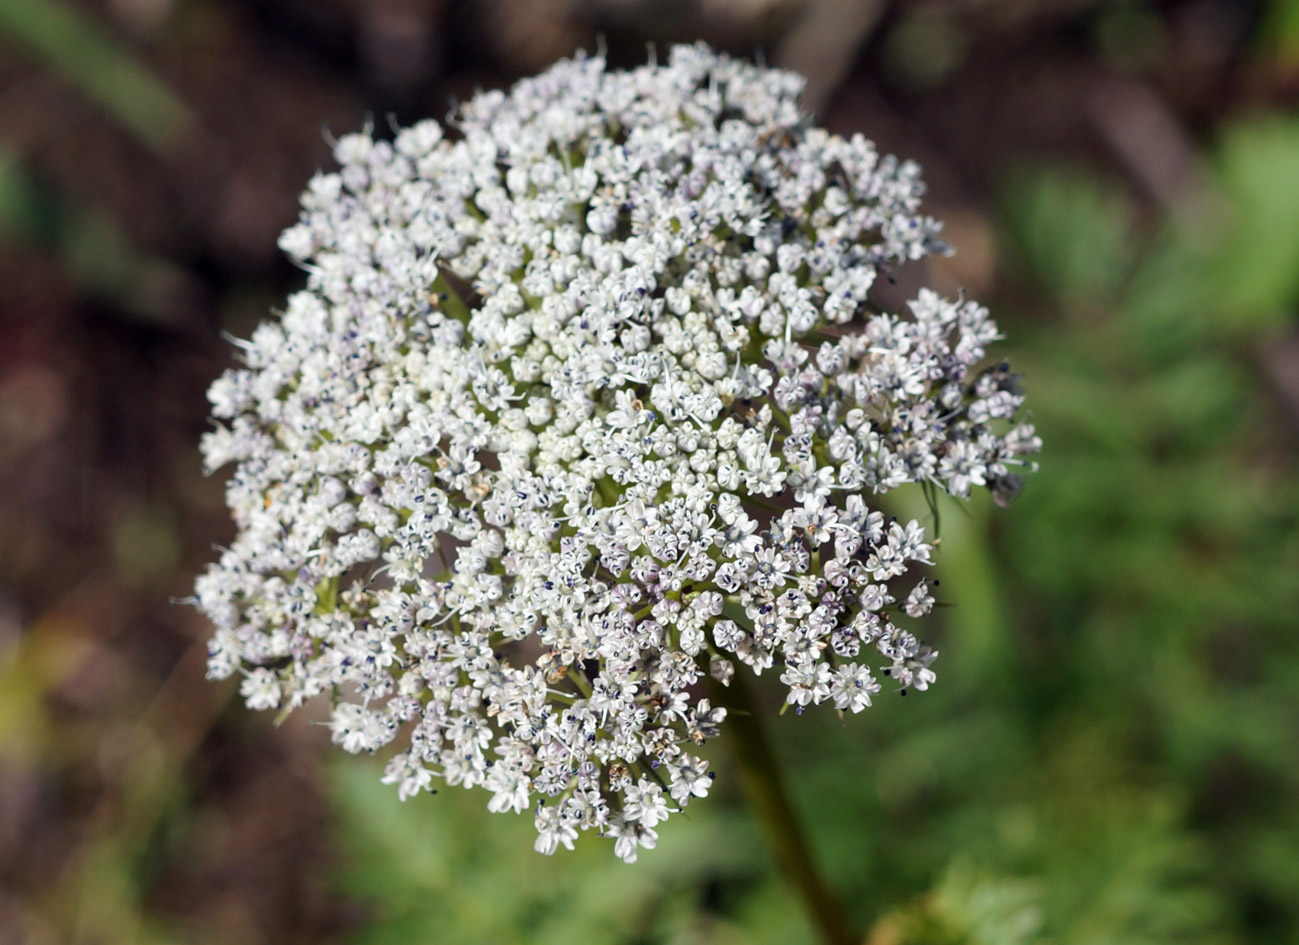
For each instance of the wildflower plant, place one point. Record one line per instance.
(581, 406)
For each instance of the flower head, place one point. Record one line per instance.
(580, 406)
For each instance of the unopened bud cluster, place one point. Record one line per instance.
(580, 405)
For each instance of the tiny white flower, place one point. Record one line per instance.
(261, 689)
(852, 687)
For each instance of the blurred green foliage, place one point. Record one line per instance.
(1110, 756)
(83, 54)
(444, 869)
(94, 247)
(95, 250)
(1281, 30)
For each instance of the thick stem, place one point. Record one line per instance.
(760, 775)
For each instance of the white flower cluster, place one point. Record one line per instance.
(579, 406)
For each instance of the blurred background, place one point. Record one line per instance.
(1111, 756)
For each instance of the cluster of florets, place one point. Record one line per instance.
(580, 407)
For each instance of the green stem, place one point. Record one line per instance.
(760, 775)
(579, 680)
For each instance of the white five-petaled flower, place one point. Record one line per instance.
(583, 404)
